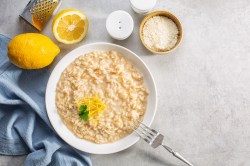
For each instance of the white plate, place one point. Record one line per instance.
(65, 133)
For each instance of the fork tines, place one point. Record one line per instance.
(146, 133)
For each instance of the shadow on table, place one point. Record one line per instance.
(154, 158)
(148, 155)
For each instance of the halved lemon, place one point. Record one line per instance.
(70, 26)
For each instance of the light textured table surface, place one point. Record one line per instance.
(203, 86)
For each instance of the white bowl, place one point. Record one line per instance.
(61, 128)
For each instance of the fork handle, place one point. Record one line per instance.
(177, 155)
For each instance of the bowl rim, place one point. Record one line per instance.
(170, 16)
(48, 107)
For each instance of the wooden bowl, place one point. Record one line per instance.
(170, 16)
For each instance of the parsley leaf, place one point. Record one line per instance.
(82, 109)
(83, 113)
(84, 116)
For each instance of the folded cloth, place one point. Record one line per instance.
(24, 125)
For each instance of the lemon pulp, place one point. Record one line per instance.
(70, 26)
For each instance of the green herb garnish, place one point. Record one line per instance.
(83, 112)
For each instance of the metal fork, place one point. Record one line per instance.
(155, 139)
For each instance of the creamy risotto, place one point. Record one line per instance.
(118, 84)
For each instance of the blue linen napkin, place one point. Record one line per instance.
(24, 125)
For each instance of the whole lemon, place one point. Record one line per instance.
(32, 51)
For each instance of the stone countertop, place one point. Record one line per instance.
(203, 86)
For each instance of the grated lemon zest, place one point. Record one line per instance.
(94, 105)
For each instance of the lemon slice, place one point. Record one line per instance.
(70, 26)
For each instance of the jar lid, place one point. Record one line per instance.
(143, 5)
(119, 24)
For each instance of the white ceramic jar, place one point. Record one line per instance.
(142, 6)
(119, 25)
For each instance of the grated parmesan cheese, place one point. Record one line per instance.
(160, 33)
